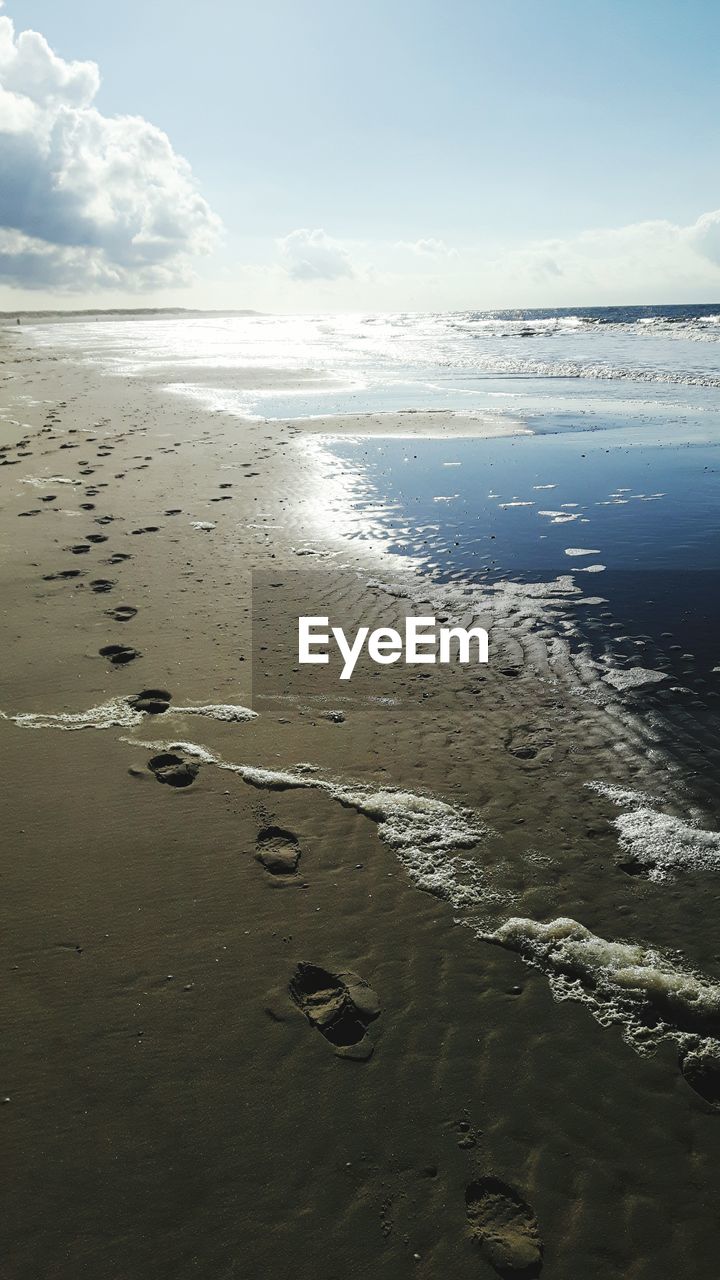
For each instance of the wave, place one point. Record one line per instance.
(360, 358)
(597, 372)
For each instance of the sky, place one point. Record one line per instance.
(322, 155)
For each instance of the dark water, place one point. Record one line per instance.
(647, 511)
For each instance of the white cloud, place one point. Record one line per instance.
(704, 236)
(655, 260)
(429, 247)
(313, 255)
(87, 200)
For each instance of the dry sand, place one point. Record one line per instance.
(183, 962)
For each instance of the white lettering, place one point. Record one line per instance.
(463, 638)
(413, 638)
(306, 639)
(385, 645)
(350, 654)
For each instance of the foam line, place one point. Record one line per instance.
(424, 832)
(121, 713)
(658, 843)
(647, 994)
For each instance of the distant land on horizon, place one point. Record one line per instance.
(151, 313)
(110, 312)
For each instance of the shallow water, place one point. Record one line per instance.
(636, 521)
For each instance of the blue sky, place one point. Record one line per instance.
(397, 154)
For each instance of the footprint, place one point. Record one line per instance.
(123, 613)
(80, 549)
(153, 701)
(101, 585)
(278, 851)
(119, 654)
(505, 1227)
(531, 742)
(174, 770)
(63, 573)
(340, 1006)
(96, 537)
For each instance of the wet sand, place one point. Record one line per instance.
(190, 968)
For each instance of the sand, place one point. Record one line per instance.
(253, 1023)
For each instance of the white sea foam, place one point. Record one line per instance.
(582, 551)
(117, 713)
(658, 843)
(217, 711)
(634, 678)
(649, 995)
(425, 833)
(121, 713)
(624, 797)
(560, 517)
(664, 844)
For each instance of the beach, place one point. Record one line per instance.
(182, 1097)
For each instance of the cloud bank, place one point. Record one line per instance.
(87, 201)
(312, 255)
(652, 261)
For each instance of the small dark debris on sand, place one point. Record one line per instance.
(340, 1006)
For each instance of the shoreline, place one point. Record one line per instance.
(209, 1081)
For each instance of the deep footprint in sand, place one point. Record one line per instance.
(153, 701)
(340, 1006)
(278, 851)
(101, 585)
(119, 654)
(505, 1227)
(123, 613)
(174, 770)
